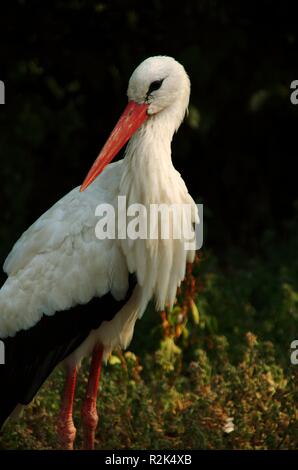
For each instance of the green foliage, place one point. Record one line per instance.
(217, 376)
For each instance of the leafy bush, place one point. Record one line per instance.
(214, 372)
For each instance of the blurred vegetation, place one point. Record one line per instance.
(214, 372)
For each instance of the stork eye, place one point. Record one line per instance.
(154, 86)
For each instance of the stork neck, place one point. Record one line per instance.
(148, 173)
(150, 147)
(148, 170)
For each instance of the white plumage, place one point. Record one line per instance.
(59, 263)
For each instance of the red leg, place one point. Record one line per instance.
(66, 428)
(89, 411)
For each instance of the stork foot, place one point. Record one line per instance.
(66, 433)
(90, 421)
(89, 410)
(65, 428)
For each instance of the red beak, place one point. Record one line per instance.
(132, 118)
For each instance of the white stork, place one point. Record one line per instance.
(69, 294)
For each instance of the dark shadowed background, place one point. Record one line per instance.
(224, 351)
(66, 68)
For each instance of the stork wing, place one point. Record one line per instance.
(69, 217)
(58, 262)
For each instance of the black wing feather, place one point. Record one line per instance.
(31, 355)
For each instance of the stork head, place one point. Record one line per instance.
(161, 83)
(159, 86)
